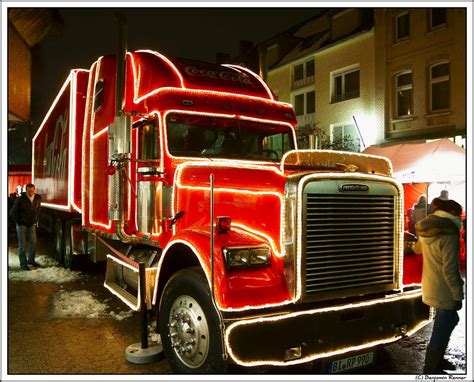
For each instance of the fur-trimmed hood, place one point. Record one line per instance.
(434, 225)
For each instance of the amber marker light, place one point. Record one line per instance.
(224, 224)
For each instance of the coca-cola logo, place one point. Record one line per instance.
(219, 74)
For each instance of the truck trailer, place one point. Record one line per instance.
(256, 253)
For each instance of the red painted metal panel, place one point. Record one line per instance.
(51, 152)
(82, 78)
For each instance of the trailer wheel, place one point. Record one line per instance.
(58, 240)
(189, 325)
(69, 257)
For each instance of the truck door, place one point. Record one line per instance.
(149, 179)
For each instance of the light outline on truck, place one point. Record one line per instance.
(346, 153)
(173, 67)
(241, 162)
(87, 113)
(208, 277)
(238, 67)
(72, 80)
(298, 294)
(72, 142)
(91, 157)
(243, 227)
(406, 295)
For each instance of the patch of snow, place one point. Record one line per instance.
(83, 304)
(120, 316)
(50, 271)
(153, 336)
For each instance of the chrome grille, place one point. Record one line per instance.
(349, 243)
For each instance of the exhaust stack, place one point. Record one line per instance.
(120, 140)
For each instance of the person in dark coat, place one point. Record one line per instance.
(442, 285)
(25, 213)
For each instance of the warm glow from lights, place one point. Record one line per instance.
(165, 252)
(89, 105)
(242, 69)
(91, 158)
(133, 269)
(55, 206)
(103, 131)
(228, 162)
(385, 300)
(72, 140)
(259, 234)
(168, 62)
(313, 357)
(350, 176)
(123, 263)
(346, 153)
(72, 80)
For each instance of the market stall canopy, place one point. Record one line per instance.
(437, 161)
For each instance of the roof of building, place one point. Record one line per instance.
(315, 34)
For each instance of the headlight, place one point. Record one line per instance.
(245, 257)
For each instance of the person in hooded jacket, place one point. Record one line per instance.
(25, 213)
(442, 285)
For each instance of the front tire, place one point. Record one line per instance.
(189, 325)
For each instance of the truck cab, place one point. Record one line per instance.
(256, 253)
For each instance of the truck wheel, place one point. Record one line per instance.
(189, 325)
(58, 240)
(69, 257)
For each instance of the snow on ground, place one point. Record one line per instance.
(50, 271)
(153, 336)
(83, 304)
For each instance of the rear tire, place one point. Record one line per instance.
(69, 257)
(59, 240)
(189, 325)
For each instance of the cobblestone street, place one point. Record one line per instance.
(42, 341)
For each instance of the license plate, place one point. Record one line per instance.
(353, 362)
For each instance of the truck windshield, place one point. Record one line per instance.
(203, 136)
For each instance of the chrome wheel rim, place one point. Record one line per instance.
(188, 331)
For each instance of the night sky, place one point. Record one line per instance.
(196, 33)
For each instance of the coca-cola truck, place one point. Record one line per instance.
(256, 253)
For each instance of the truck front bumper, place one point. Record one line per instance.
(300, 336)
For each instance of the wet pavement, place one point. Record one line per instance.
(49, 333)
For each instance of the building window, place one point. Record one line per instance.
(310, 102)
(309, 68)
(402, 27)
(305, 103)
(345, 85)
(439, 86)
(299, 73)
(299, 104)
(437, 18)
(303, 74)
(344, 137)
(403, 97)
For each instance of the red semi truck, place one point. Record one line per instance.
(256, 253)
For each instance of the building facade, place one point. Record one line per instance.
(362, 77)
(425, 72)
(328, 75)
